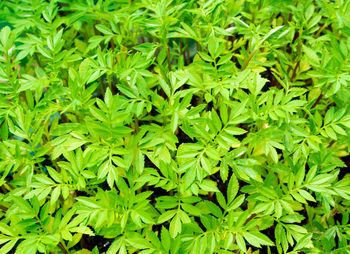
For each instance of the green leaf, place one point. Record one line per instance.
(166, 216)
(311, 54)
(232, 188)
(213, 45)
(165, 86)
(241, 243)
(304, 242)
(6, 248)
(208, 185)
(165, 237)
(175, 226)
(257, 239)
(137, 241)
(236, 202)
(55, 195)
(103, 29)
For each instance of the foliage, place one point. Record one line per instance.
(174, 126)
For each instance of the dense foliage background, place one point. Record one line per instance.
(174, 126)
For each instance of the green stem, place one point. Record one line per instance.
(249, 59)
(63, 247)
(38, 60)
(109, 81)
(188, 51)
(298, 56)
(136, 125)
(168, 57)
(321, 29)
(102, 87)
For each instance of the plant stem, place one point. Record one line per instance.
(136, 125)
(295, 71)
(198, 46)
(249, 59)
(168, 57)
(102, 87)
(112, 44)
(109, 82)
(38, 60)
(321, 29)
(188, 51)
(63, 248)
(298, 56)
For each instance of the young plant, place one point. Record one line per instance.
(174, 126)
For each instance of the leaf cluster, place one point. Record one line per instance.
(174, 126)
